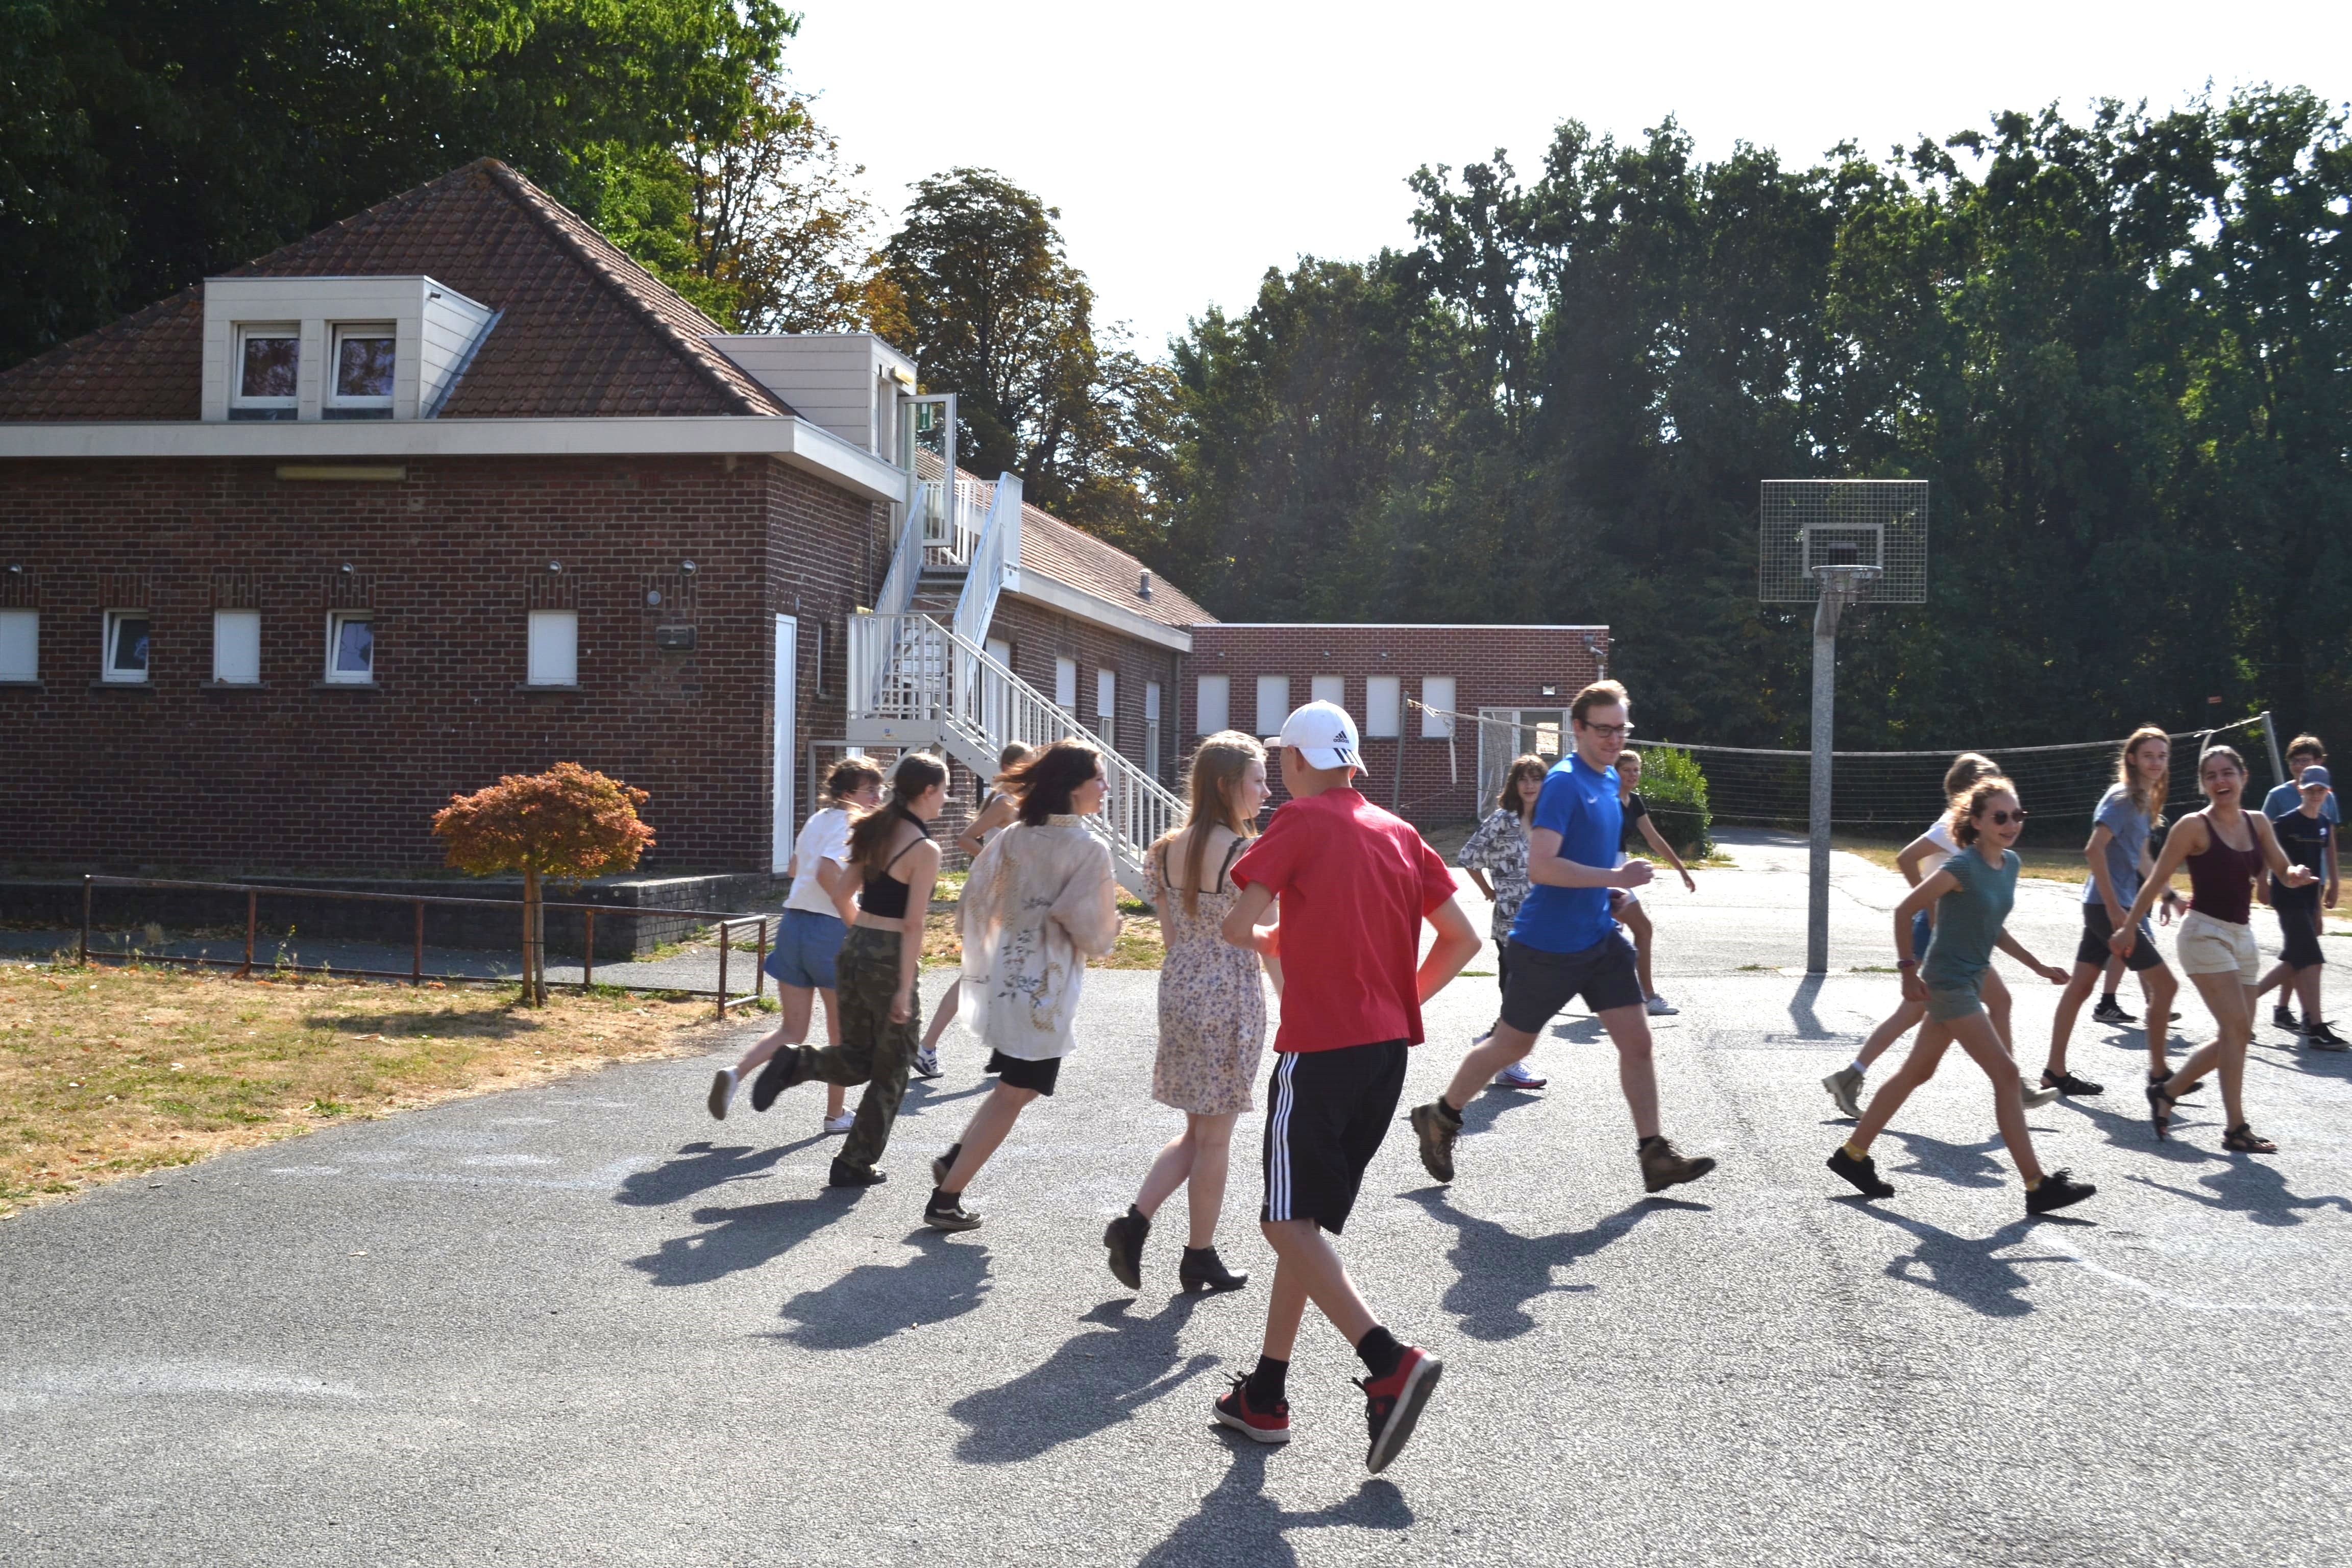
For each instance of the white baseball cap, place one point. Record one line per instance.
(1324, 736)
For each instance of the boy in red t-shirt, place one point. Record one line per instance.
(1355, 884)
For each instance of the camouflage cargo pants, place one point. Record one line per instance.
(874, 1051)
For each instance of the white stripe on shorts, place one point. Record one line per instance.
(1277, 1173)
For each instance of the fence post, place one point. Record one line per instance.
(723, 934)
(417, 952)
(86, 886)
(252, 918)
(588, 953)
(2270, 739)
(759, 963)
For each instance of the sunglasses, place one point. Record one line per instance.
(2003, 819)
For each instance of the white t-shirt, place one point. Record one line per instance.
(1940, 836)
(824, 836)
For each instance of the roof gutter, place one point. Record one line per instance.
(1038, 588)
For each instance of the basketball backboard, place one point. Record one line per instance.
(1870, 535)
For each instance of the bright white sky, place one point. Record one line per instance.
(1191, 146)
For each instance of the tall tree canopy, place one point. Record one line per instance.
(2122, 349)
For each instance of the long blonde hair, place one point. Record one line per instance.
(1966, 769)
(2146, 799)
(1217, 766)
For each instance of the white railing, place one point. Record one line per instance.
(905, 565)
(995, 552)
(953, 520)
(935, 676)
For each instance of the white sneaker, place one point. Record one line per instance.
(1660, 1007)
(2035, 1095)
(1519, 1075)
(843, 1122)
(722, 1092)
(927, 1064)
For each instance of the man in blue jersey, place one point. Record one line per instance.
(1564, 943)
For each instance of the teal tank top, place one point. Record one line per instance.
(1968, 921)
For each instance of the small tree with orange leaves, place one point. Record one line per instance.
(567, 824)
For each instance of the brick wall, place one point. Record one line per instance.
(294, 773)
(1491, 665)
(1039, 635)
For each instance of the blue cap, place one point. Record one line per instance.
(2313, 778)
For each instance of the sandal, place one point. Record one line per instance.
(2160, 1109)
(2243, 1139)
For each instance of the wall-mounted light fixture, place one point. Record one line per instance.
(347, 566)
(555, 566)
(1551, 691)
(686, 565)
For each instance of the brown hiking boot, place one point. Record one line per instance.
(1664, 1166)
(1437, 1125)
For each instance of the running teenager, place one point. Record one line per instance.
(1500, 845)
(1627, 903)
(817, 913)
(1354, 885)
(2225, 847)
(890, 850)
(1039, 902)
(1211, 1010)
(2304, 753)
(1920, 860)
(996, 812)
(2120, 826)
(2308, 840)
(1564, 944)
(1972, 892)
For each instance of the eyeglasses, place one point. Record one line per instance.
(1607, 731)
(2003, 819)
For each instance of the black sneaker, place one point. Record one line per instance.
(848, 1176)
(1664, 1166)
(782, 1072)
(1125, 1236)
(943, 1163)
(2067, 1083)
(946, 1211)
(2058, 1189)
(2320, 1037)
(1392, 1403)
(1271, 1425)
(1437, 1124)
(2110, 1011)
(2284, 1016)
(1862, 1175)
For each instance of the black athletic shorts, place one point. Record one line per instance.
(1326, 1113)
(2298, 916)
(1542, 983)
(2094, 948)
(1023, 1073)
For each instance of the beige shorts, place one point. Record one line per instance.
(2208, 946)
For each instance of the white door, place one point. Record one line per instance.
(788, 639)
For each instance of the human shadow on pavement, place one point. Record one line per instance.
(2253, 1189)
(697, 1167)
(1966, 1269)
(1498, 1271)
(744, 1237)
(942, 1280)
(1982, 1164)
(1097, 1379)
(1237, 1522)
(2134, 1132)
(1488, 1107)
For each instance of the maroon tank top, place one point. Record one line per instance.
(2221, 880)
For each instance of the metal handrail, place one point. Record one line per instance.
(996, 552)
(905, 566)
(953, 520)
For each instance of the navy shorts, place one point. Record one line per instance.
(1326, 1113)
(2094, 948)
(807, 946)
(1542, 983)
(2298, 917)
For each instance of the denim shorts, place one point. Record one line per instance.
(807, 943)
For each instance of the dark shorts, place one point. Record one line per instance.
(1023, 1073)
(1542, 983)
(1503, 965)
(1326, 1113)
(2298, 917)
(2094, 948)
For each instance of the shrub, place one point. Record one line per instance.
(1677, 792)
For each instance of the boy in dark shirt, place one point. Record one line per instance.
(2309, 838)
(1355, 885)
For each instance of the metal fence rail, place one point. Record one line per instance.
(725, 924)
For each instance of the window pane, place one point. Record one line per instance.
(129, 652)
(1381, 705)
(1331, 689)
(554, 648)
(20, 644)
(1065, 683)
(270, 366)
(363, 366)
(1272, 703)
(236, 647)
(1437, 692)
(1106, 692)
(355, 647)
(1212, 707)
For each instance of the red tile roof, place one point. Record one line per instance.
(584, 330)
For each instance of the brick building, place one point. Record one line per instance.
(454, 488)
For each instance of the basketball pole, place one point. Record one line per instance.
(1837, 591)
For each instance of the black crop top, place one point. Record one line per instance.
(885, 895)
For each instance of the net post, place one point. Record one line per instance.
(2270, 739)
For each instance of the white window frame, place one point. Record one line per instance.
(1272, 703)
(336, 619)
(1331, 689)
(20, 644)
(1065, 683)
(237, 633)
(1106, 693)
(1437, 691)
(1384, 707)
(1213, 698)
(1152, 728)
(236, 395)
(106, 669)
(336, 332)
(558, 663)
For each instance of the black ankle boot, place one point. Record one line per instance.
(1124, 1237)
(844, 1175)
(1203, 1269)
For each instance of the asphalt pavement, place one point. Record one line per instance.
(582, 1323)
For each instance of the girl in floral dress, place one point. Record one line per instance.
(1500, 847)
(1211, 1011)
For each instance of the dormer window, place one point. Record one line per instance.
(364, 359)
(268, 371)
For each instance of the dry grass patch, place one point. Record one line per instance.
(108, 1072)
(2054, 865)
(1138, 945)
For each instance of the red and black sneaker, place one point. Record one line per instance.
(1235, 1411)
(1392, 1403)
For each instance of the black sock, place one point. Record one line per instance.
(942, 1198)
(1450, 1111)
(2109, 998)
(1139, 1217)
(1378, 1351)
(1264, 1383)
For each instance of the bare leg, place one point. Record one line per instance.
(985, 1131)
(2230, 1001)
(1999, 1005)
(2061, 1022)
(1637, 1075)
(2158, 991)
(1916, 1068)
(835, 1096)
(1976, 1036)
(2280, 975)
(1897, 1024)
(793, 1004)
(944, 1017)
(2307, 990)
(1307, 1268)
(1169, 1171)
(1213, 1153)
(1479, 1065)
(2113, 973)
(1636, 921)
